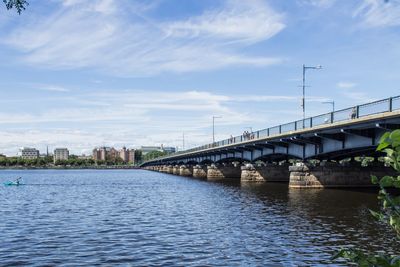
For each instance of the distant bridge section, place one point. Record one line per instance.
(333, 136)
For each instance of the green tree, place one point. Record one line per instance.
(390, 210)
(154, 154)
(138, 155)
(19, 5)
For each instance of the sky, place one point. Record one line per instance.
(81, 74)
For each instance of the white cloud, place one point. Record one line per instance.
(54, 88)
(379, 13)
(319, 3)
(346, 85)
(134, 117)
(247, 21)
(106, 35)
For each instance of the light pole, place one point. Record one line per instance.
(214, 117)
(303, 102)
(183, 141)
(332, 103)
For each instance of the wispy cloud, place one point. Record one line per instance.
(346, 85)
(104, 34)
(137, 117)
(318, 3)
(53, 88)
(379, 13)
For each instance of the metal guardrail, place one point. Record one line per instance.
(376, 107)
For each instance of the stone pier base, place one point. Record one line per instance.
(268, 173)
(332, 174)
(219, 172)
(169, 169)
(186, 170)
(175, 170)
(200, 171)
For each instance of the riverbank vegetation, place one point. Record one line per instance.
(390, 207)
(48, 162)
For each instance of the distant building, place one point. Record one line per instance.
(123, 154)
(28, 153)
(110, 153)
(131, 156)
(101, 153)
(61, 154)
(83, 156)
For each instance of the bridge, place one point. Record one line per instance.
(307, 153)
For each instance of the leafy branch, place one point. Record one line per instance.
(19, 5)
(390, 211)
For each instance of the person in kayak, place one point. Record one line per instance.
(17, 181)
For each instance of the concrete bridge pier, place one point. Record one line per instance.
(175, 170)
(334, 174)
(163, 168)
(200, 171)
(268, 173)
(186, 170)
(219, 172)
(169, 169)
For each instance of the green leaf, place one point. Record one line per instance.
(379, 216)
(395, 135)
(386, 181)
(382, 146)
(384, 137)
(374, 179)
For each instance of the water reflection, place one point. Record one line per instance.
(149, 219)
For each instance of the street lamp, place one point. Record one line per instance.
(332, 103)
(303, 102)
(214, 117)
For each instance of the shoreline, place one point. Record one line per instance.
(70, 168)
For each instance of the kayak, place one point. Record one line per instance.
(12, 183)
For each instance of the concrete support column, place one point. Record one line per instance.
(332, 174)
(175, 170)
(268, 173)
(169, 169)
(219, 172)
(200, 171)
(186, 170)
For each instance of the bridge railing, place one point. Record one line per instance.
(376, 107)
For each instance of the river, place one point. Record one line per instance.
(143, 218)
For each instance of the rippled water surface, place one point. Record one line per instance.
(141, 218)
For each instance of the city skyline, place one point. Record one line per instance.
(79, 73)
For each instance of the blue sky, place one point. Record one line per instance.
(80, 74)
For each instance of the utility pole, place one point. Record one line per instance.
(303, 102)
(183, 141)
(213, 126)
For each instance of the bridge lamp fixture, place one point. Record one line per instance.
(213, 126)
(332, 103)
(303, 101)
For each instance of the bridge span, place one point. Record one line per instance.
(306, 153)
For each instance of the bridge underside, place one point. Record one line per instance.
(315, 155)
(332, 143)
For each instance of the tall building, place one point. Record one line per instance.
(110, 153)
(61, 154)
(28, 153)
(131, 156)
(123, 154)
(97, 154)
